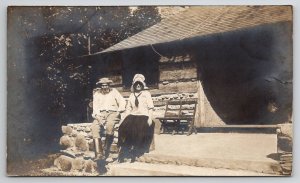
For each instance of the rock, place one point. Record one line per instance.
(109, 160)
(84, 134)
(91, 145)
(81, 143)
(66, 130)
(90, 166)
(87, 129)
(78, 164)
(90, 135)
(80, 128)
(286, 130)
(78, 149)
(165, 82)
(74, 133)
(66, 142)
(89, 155)
(286, 163)
(284, 144)
(63, 163)
(69, 153)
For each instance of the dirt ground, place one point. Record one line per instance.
(32, 167)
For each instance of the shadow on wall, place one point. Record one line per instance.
(247, 74)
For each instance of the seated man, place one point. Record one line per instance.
(108, 103)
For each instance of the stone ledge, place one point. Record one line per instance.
(53, 171)
(270, 167)
(147, 169)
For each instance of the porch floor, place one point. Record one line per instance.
(230, 154)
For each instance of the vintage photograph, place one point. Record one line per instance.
(149, 90)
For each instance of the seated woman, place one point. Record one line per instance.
(137, 130)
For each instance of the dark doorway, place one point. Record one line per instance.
(140, 61)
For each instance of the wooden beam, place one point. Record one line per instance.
(178, 74)
(241, 126)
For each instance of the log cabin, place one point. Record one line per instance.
(236, 60)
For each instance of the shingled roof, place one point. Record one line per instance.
(204, 20)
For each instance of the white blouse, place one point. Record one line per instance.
(145, 104)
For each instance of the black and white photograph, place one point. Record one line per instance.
(186, 90)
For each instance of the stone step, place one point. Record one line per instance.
(149, 169)
(54, 172)
(268, 167)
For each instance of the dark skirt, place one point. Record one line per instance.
(135, 134)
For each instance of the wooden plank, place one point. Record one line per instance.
(177, 65)
(175, 118)
(188, 108)
(175, 59)
(178, 74)
(117, 79)
(201, 106)
(172, 109)
(242, 126)
(170, 88)
(176, 87)
(182, 102)
(159, 103)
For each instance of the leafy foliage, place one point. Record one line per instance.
(57, 35)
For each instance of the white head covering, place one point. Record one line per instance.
(140, 78)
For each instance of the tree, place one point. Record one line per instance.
(85, 30)
(41, 74)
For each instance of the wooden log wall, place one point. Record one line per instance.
(177, 80)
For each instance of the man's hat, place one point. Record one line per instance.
(103, 81)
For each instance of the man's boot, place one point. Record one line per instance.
(98, 148)
(108, 141)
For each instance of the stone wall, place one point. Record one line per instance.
(77, 148)
(285, 147)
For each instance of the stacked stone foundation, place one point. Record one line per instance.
(77, 148)
(284, 147)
